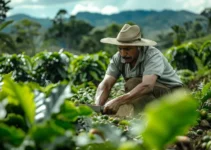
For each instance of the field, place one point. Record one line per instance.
(40, 99)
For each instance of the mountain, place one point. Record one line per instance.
(45, 23)
(152, 22)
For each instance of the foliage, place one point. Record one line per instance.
(10, 135)
(185, 75)
(51, 67)
(183, 57)
(47, 117)
(179, 34)
(6, 42)
(16, 96)
(162, 126)
(207, 13)
(68, 33)
(20, 65)
(87, 68)
(205, 53)
(4, 8)
(84, 96)
(27, 35)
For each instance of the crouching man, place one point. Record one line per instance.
(147, 73)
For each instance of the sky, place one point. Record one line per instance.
(49, 8)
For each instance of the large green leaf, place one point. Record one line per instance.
(53, 103)
(167, 118)
(70, 112)
(11, 135)
(22, 95)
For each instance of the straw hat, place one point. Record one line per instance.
(129, 35)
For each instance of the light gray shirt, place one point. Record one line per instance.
(150, 61)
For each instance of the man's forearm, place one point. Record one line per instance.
(102, 94)
(134, 94)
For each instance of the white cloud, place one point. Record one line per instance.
(109, 10)
(83, 8)
(95, 9)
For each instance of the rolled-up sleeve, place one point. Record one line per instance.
(113, 67)
(154, 64)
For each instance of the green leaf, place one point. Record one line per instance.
(15, 120)
(11, 135)
(85, 110)
(58, 96)
(3, 95)
(5, 24)
(22, 95)
(169, 117)
(69, 111)
(94, 75)
(47, 132)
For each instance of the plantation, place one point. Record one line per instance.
(42, 104)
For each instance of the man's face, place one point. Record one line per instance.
(129, 53)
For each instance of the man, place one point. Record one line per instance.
(147, 73)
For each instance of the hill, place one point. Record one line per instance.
(152, 22)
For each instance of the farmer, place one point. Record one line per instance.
(146, 72)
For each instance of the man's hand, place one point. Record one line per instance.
(112, 106)
(104, 89)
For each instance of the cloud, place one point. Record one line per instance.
(190, 5)
(94, 9)
(108, 10)
(83, 8)
(51, 7)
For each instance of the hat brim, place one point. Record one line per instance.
(142, 42)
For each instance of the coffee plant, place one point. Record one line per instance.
(43, 105)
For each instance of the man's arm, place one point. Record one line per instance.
(104, 89)
(146, 86)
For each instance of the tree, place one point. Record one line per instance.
(197, 27)
(4, 9)
(179, 33)
(57, 31)
(88, 45)
(165, 40)
(68, 34)
(27, 35)
(76, 29)
(6, 42)
(207, 13)
(112, 30)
